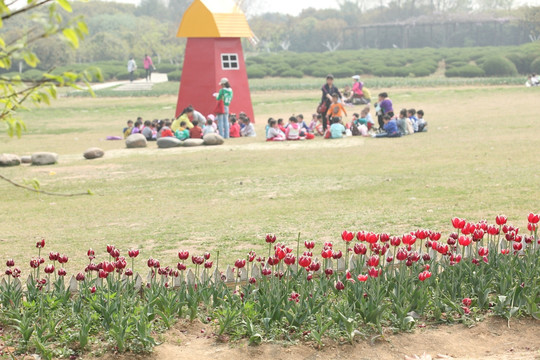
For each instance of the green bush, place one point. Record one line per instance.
(256, 72)
(383, 71)
(520, 61)
(124, 75)
(419, 71)
(343, 71)
(175, 75)
(167, 68)
(292, 73)
(499, 66)
(535, 66)
(32, 75)
(465, 71)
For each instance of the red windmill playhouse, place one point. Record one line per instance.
(214, 29)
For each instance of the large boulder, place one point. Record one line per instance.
(168, 142)
(193, 142)
(9, 160)
(44, 158)
(26, 159)
(213, 139)
(93, 153)
(136, 141)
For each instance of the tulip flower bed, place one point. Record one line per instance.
(364, 283)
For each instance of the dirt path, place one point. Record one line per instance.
(490, 339)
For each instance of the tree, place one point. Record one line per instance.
(47, 21)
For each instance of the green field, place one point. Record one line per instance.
(479, 159)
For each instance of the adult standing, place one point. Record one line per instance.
(328, 90)
(148, 66)
(131, 67)
(225, 95)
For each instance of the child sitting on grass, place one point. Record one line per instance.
(127, 130)
(422, 124)
(404, 124)
(137, 127)
(359, 126)
(268, 126)
(274, 134)
(248, 130)
(209, 128)
(336, 110)
(411, 114)
(182, 133)
(281, 126)
(234, 130)
(303, 125)
(336, 129)
(166, 130)
(293, 130)
(390, 128)
(195, 132)
(147, 130)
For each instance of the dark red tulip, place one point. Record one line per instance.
(426, 257)
(533, 218)
(183, 255)
(108, 266)
(53, 256)
(10, 263)
(389, 259)
(360, 249)
(384, 237)
(40, 244)
(395, 241)
(315, 266)
(251, 256)
(121, 263)
(208, 264)
(309, 244)
(294, 297)
(270, 239)
(517, 246)
(115, 253)
(16, 272)
(41, 260)
(501, 219)
(347, 236)
(8, 272)
(133, 253)
(362, 278)
(252, 280)
(206, 255)
(103, 274)
(373, 272)
(240, 263)
(62, 259)
(266, 271)
(435, 236)
(329, 272)
(309, 277)
(61, 272)
(90, 253)
(402, 255)
(197, 260)
(304, 261)
(80, 277)
(340, 286)
(49, 269)
(337, 255)
(181, 266)
(110, 248)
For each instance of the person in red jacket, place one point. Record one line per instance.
(234, 130)
(195, 132)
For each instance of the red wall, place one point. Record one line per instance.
(202, 72)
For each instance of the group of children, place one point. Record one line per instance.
(407, 122)
(183, 128)
(533, 80)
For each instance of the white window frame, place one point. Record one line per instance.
(229, 61)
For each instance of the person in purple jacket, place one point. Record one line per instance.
(386, 108)
(390, 128)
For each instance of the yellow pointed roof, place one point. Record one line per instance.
(214, 19)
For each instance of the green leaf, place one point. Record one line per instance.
(65, 5)
(72, 37)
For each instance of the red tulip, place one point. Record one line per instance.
(103, 274)
(467, 302)
(468, 229)
(80, 277)
(505, 251)
(61, 272)
(273, 261)
(478, 235)
(458, 223)
(206, 255)
(208, 264)
(426, 257)
(49, 269)
(362, 278)
(435, 236)
(309, 244)
(517, 246)
(108, 266)
(183, 255)
(304, 261)
(533, 218)
(240, 263)
(327, 245)
(266, 271)
(384, 237)
(348, 276)
(455, 258)
(294, 297)
(402, 255)
(40, 244)
(110, 248)
(280, 253)
(421, 234)
(466, 310)
(360, 249)
(483, 251)
(395, 241)
(408, 239)
(121, 263)
(91, 253)
(181, 266)
(464, 240)
(315, 266)
(501, 219)
(361, 236)
(329, 272)
(133, 253)
(270, 239)
(8, 272)
(373, 261)
(532, 227)
(252, 280)
(115, 253)
(424, 275)
(62, 259)
(53, 256)
(347, 236)
(340, 286)
(92, 289)
(337, 255)
(309, 277)
(493, 230)
(251, 256)
(389, 259)
(372, 238)
(326, 254)
(10, 263)
(373, 272)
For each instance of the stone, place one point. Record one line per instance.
(213, 139)
(93, 153)
(168, 142)
(27, 159)
(44, 158)
(9, 160)
(193, 142)
(136, 141)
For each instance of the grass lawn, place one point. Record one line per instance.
(479, 159)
